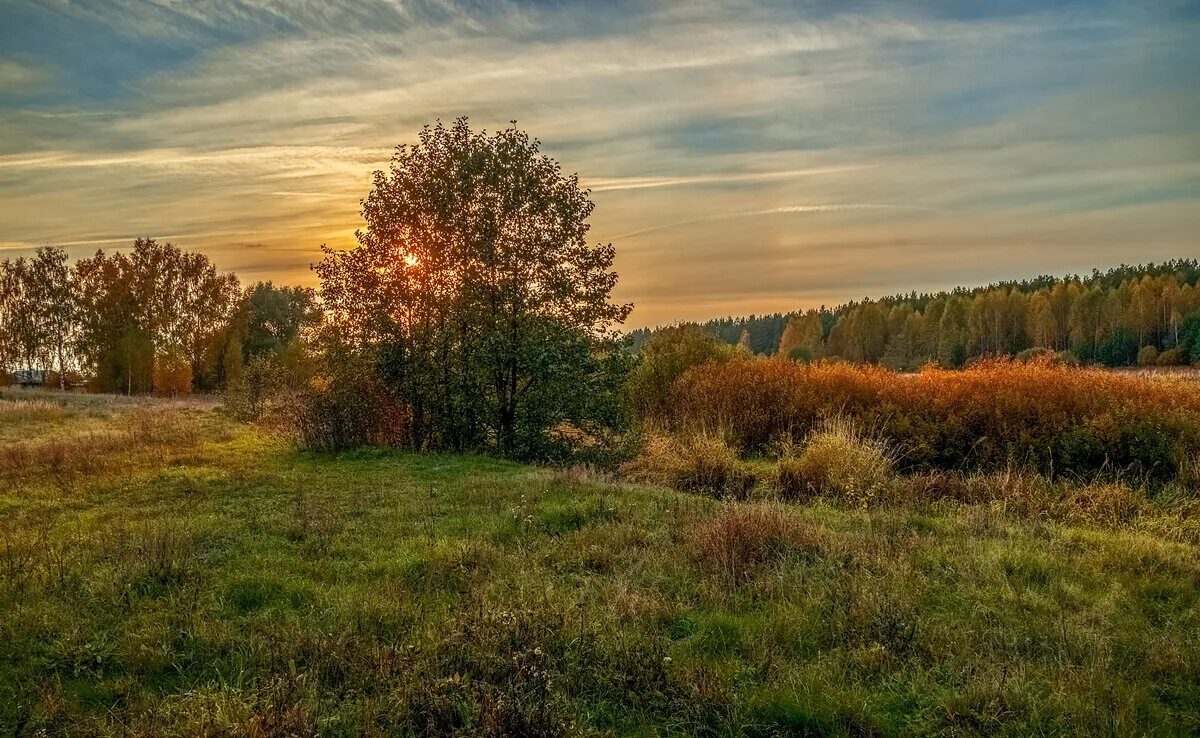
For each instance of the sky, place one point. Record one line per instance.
(743, 157)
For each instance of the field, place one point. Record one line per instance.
(169, 572)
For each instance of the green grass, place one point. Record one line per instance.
(209, 580)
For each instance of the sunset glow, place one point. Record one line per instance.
(742, 158)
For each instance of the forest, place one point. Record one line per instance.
(1143, 315)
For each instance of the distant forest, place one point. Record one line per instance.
(155, 319)
(1145, 314)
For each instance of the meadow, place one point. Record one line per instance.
(167, 571)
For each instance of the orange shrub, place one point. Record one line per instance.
(992, 415)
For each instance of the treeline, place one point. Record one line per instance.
(156, 319)
(1147, 314)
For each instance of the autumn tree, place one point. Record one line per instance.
(53, 297)
(665, 357)
(113, 345)
(158, 304)
(21, 334)
(801, 338)
(475, 290)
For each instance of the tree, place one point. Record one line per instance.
(156, 304)
(803, 333)
(473, 286)
(275, 316)
(52, 303)
(664, 358)
(952, 334)
(113, 344)
(1189, 337)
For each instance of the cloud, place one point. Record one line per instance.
(781, 210)
(911, 132)
(16, 76)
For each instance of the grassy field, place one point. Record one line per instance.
(166, 571)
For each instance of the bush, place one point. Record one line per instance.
(699, 463)
(1172, 357)
(339, 415)
(1068, 358)
(1147, 356)
(1050, 419)
(743, 538)
(837, 461)
(271, 384)
(668, 354)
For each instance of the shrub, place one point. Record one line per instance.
(247, 396)
(742, 538)
(1172, 357)
(668, 354)
(338, 415)
(699, 463)
(1068, 358)
(1147, 356)
(1049, 419)
(837, 461)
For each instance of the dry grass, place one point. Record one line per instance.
(1103, 503)
(837, 461)
(742, 538)
(692, 463)
(91, 435)
(20, 410)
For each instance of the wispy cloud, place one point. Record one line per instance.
(937, 141)
(782, 210)
(639, 183)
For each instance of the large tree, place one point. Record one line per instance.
(476, 287)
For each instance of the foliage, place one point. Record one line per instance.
(172, 376)
(475, 286)
(667, 355)
(1052, 419)
(275, 316)
(1171, 357)
(1189, 337)
(144, 307)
